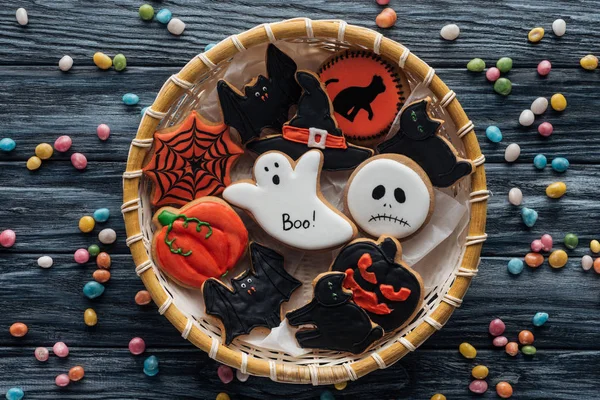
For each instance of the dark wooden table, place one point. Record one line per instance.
(38, 103)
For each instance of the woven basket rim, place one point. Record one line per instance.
(178, 84)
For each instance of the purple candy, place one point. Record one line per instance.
(478, 386)
(225, 373)
(497, 327)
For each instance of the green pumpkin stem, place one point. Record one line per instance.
(167, 218)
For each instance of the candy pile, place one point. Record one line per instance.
(164, 16)
(502, 86)
(104, 62)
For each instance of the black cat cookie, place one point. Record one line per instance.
(418, 140)
(264, 102)
(314, 126)
(256, 297)
(367, 93)
(337, 323)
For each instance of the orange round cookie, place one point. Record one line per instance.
(367, 93)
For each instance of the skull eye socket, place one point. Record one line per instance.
(399, 195)
(378, 192)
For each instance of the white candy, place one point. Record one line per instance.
(586, 262)
(176, 26)
(559, 27)
(450, 32)
(242, 377)
(526, 118)
(539, 105)
(512, 152)
(107, 236)
(22, 18)
(65, 63)
(45, 261)
(515, 196)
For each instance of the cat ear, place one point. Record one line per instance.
(416, 123)
(233, 113)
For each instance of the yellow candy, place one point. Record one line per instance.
(595, 246)
(34, 163)
(438, 396)
(90, 317)
(556, 190)
(44, 151)
(558, 259)
(341, 385)
(102, 61)
(467, 350)
(223, 396)
(86, 224)
(589, 62)
(535, 35)
(480, 372)
(558, 102)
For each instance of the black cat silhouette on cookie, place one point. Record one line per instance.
(350, 101)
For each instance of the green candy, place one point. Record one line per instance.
(571, 241)
(120, 62)
(529, 350)
(146, 12)
(503, 86)
(94, 250)
(476, 65)
(504, 64)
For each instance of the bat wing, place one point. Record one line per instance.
(268, 265)
(219, 301)
(281, 70)
(232, 106)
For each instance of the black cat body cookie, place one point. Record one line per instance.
(367, 93)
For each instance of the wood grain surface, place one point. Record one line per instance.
(38, 103)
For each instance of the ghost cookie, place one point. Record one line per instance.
(285, 200)
(389, 195)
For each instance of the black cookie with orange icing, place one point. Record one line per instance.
(385, 287)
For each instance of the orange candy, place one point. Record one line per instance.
(18, 329)
(103, 260)
(142, 298)
(387, 18)
(534, 260)
(504, 390)
(597, 265)
(101, 275)
(526, 337)
(512, 349)
(76, 373)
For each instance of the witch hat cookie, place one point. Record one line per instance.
(314, 126)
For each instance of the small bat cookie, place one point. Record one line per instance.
(256, 297)
(338, 323)
(265, 102)
(314, 126)
(285, 199)
(417, 139)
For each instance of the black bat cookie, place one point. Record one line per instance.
(256, 297)
(265, 102)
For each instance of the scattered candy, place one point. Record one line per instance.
(558, 102)
(45, 261)
(209, 46)
(595, 246)
(60, 349)
(559, 27)
(15, 394)
(503, 86)
(560, 164)
(137, 346)
(492, 74)
(41, 354)
(222, 396)
(107, 236)
(536, 245)
(450, 32)
(62, 380)
(22, 17)
(512, 152)
(65, 63)
(480, 372)
(383, 2)
(529, 350)
(534, 260)
(225, 373)
(242, 377)
(102, 61)
(146, 12)
(86, 224)
(7, 144)
(103, 131)
(536, 34)
(18, 329)
(63, 143)
(512, 349)
(438, 396)
(34, 163)
(500, 341)
(8, 238)
(504, 64)
(540, 318)
(544, 67)
(539, 105)
(545, 129)
(79, 161)
(326, 395)
(94, 250)
(90, 318)
(529, 216)
(597, 265)
(586, 262)
(386, 18)
(478, 386)
(101, 275)
(467, 350)
(81, 256)
(103, 260)
(476, 65)
(101, 215)
(76, 373)
(93, 289)
(493, 134)
(558, 259)
(526, 118)
(571, 241)
(164, 15)
(144, 110)
(151, 366)
(504, 390)
(130, 99)
(176, 26)
(142, 298)
(526, 337)
(515, 266)
(589, 62)
(120, 62)
(540, 161)
(496, 327)
(515, 196)
(547, 242)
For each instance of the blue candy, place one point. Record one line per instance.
(560, 164)
(327, 395)
(540, 318)
(15, 394)
(93, 289)
(540, 161)
(493, 134)
(101, 215)
(164, 16)
(130, 99)
(515, 266)
(209, 46)
(7, 144)
(529, 216)
(144, 111)
(151, 366)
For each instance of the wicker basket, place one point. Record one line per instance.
(315, 368)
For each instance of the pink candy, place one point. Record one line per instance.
(103, 131)
(536, 246)
(62, 380)
(41, 354)
(545, 129)
(478, 386)
(492, 74)
(544, 67)
(496, 327)
(225, 373)
(137, 346)
(78, 160)
(8, 238)
(81, 256)
(63, 143)
(546, 242)
(60, 349)
(383, 2)
(500, 341)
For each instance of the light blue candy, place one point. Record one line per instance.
(164, 15)
(7, 144)
(493, 134)
(15, 394)
(327, 395)
(144, 111)
(540, 161)
(529, 216)
(560, 164)
(131, 99)
(151, 366)
(101, 215)
(209, 46)
(540, 318)
(93, 289)
(515, 266)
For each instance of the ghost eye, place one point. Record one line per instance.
(264, 88)
(399, 195)
(378, 192)
(243, 285)
(249, 280)
(267, 169)
(257, 94)
(276, 165)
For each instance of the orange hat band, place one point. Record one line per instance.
(314, 137)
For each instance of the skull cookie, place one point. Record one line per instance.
(389, 195)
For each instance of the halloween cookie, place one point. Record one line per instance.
(367, 93)
(337, 322)
(418, 140)
(314, 126)
(391, 195)
(191, 160)
(384, 286)
(255, 297)
(203, 239)
(264, 102)
(285, 199)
